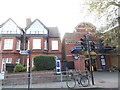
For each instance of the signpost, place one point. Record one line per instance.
(27, 52)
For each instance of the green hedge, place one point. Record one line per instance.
(44, 62)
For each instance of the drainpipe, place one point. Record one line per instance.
(48, 42)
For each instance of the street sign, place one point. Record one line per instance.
(1, 76)
(24, 52)
(58, 66)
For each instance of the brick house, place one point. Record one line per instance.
(71, 40)
(36, 37)
(102, 61)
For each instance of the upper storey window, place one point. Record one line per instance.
(36, 43)
(54, 44)
(10, 27)
(8, 44)
(36, 28)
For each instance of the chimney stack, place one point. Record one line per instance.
(28, 22)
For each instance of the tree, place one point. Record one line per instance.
(109, 9)
(105, 8)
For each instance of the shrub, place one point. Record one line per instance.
(20, 68)
(44, 62)
(33, 68)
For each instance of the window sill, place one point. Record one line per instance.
(7, 49)
(37, 49)
(55, 50)
(45, 49)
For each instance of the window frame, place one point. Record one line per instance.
(18, 44)
(38, 43)
(8, 43)
(54, 47)
(45, 45)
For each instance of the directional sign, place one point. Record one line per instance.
(24, 52)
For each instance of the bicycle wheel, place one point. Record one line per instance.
(84, 81)
(71, 83)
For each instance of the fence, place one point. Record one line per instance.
(37, 80)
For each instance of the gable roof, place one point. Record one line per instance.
(53, 32)
(34, 22)
(12, 21)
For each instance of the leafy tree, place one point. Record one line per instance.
(110, 10)
(44, 62)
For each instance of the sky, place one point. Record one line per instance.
(64, 14)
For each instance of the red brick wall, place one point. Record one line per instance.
(79, 64)
(14, 54)
(108, 61)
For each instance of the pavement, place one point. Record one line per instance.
(101, 80)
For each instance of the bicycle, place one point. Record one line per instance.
(79, 78)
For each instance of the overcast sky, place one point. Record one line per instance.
(65, 14)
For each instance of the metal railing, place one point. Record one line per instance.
(37, 80)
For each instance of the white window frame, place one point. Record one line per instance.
(33, 62)
(8, 44)
(28, 45)
(0, 44)
(18, 61)
(45, 44)
(55, 45)
(37, 44)
(7, 60)
(27, 64)
(18, 45)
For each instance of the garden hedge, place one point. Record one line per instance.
(44, 62)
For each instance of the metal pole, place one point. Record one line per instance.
(88, 50)
(61, 79)
(29, 72)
